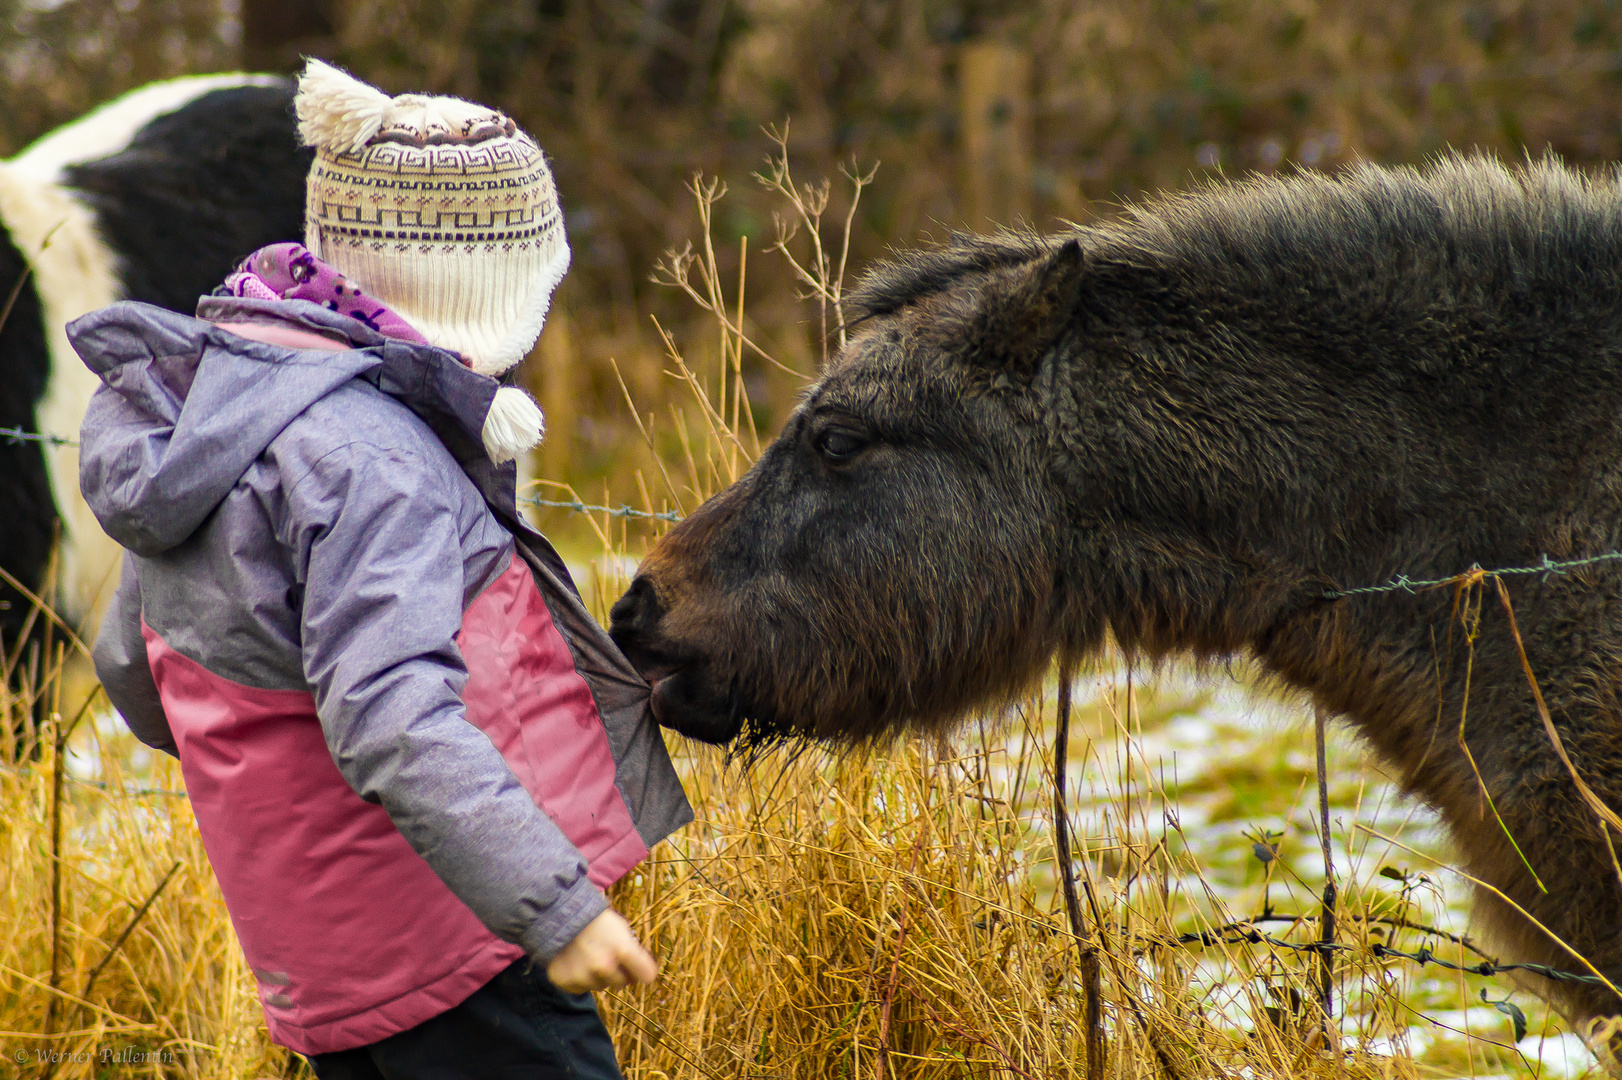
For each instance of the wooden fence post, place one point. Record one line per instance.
(554, 380)
(994, 81)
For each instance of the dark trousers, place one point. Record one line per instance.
(518, 1026)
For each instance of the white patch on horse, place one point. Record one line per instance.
(75, 272)
(109, 129)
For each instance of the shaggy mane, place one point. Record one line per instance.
(1469, 215)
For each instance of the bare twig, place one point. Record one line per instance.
(858, 181)
(45, 610)
(22, 278)
(129, 928)
(1091, 976)
(16, 291)
(1326, 956)
(824, 276)
(674, 271)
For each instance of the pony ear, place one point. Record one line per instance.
(1027, 310)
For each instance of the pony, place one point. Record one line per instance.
(1198, 431)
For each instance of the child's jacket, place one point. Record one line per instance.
(413, 755)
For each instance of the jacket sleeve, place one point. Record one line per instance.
(122, 667)
(380, 542)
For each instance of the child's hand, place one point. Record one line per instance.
(604, 955)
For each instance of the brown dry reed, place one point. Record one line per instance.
(861, 915)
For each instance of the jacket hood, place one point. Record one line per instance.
(187, 406)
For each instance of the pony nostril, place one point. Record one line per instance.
(638, 611)
(633, 623)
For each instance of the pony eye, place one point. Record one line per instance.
(840, 444)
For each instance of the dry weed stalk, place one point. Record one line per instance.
(807, 203)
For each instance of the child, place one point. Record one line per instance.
(414, 758)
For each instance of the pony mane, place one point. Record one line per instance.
(1470, 217)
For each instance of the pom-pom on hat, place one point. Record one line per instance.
(440, 208)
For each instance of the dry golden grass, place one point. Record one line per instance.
(855, 915)
(177, 986)
(117, 956)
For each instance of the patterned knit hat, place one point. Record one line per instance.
(440, 208)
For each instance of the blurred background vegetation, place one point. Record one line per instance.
(979, 111)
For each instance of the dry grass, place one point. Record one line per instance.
(858, 915)
(117, 956)
(824, 916)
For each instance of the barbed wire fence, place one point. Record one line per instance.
(16, 436)
(1400, 583)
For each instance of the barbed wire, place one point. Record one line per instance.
(611, 511)
(1403, 583)
(1487, 968)
(1238, 934)
(1252, 936)
(18, 435)
(1400, 583)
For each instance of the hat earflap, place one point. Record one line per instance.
(513, 425)
(336, 111)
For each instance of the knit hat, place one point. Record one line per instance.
(441, 209)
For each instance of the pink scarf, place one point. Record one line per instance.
(289, 272)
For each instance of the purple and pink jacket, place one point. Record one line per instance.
(413, 755)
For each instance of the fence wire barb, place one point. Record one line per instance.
(1400, 583)
(1403, 583)
(13, 436)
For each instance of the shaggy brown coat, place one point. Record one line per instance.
(1184, 430)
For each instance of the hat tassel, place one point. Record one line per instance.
(513, 425)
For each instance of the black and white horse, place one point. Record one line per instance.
(152, 197)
